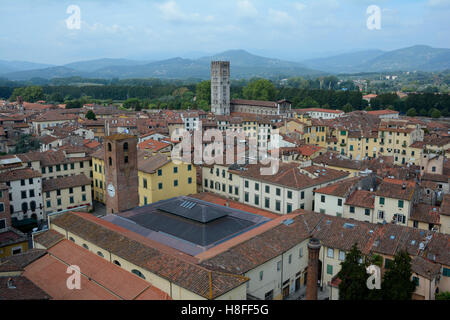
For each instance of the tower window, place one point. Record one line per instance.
(126, 159)
(109, 147)
(125, 146)
(110, 161)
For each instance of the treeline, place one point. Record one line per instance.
(415, 104)
(302, 93)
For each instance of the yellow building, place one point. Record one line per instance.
(98, 176)
(66, 193)
(161, 179)
(12, 242)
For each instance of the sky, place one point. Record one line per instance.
(38, 30)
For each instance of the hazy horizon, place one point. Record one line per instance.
(163, 29)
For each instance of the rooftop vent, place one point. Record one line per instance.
(187, 204)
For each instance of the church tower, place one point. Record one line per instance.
(121, 173)
(220, 87)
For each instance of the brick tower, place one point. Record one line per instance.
(220, 87)
(121, 173)
(313, 269)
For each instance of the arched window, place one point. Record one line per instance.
(72, 239)
(33, 205)
(109, 147)
(85, 246)
(117, 263)
(125, 146)
(110, 161)
(24, 207)
(138, 273)
(100, 254)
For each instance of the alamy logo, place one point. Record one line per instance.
(74, 21)
(374, 281)
(74, 281)
(374, 20)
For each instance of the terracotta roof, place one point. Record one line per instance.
(263, 247)
(425, 268)
(100, 273)
(149, 255)
(19, 174)
(393, 188)
(152, 163)
(291, 176)
(65, 182)
(48, 238)
(258, 103)
(319, 110)
(19, 261)
(445, 205)
(425, 213)
(152, 145)
(24, 289)
(382, 112)
(361, 198)
(340, 189)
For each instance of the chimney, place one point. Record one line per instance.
(313, 269)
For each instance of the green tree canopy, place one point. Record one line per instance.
(73, 104)
(309, 102)
(260, 89)
(28, 94)
(397, 283)
(347, 108)
(26, 143)
(133, 103)
(353, 277)
(411, 112)
(203, 92)
(91, 115)
(435, 114)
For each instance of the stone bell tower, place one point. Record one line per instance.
(220, 87)
(121, 173)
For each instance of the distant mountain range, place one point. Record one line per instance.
(244, 65)
(416, 58)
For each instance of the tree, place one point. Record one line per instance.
(91, 115)
(26, 143)
(309, 102)
(347, 108)
(397, 283)
(353, 277)
(133, 103)
(28, 94)
(435, 114)
(260, 89)
(74, 104)
(411, 112)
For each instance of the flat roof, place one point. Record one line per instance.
(187, 224)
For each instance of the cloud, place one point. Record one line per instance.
(280, 17)
(299, 6)
(171, 12)
(438, 3)
(246, 9)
